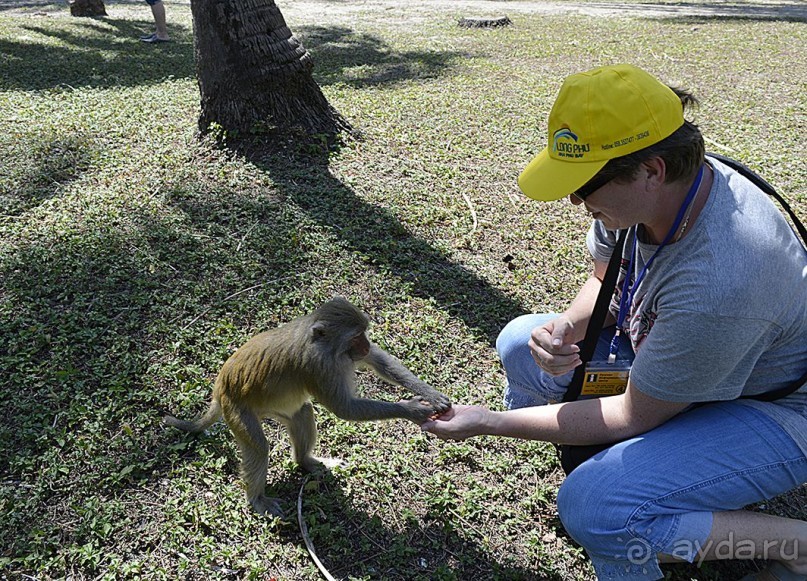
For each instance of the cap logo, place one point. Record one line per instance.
(564, 144)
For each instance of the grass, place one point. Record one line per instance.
(134, 259)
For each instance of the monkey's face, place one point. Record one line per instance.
(359, 347)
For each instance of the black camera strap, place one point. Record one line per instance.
(597, 320)
(763, 185)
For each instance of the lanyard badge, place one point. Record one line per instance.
(604, 378)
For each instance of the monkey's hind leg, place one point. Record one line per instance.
(303, 435)
(248, 432)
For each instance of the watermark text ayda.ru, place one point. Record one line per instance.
(730, 548)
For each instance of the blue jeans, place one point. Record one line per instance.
(656, 492)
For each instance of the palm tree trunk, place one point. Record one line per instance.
(254, 75)
(87, 8)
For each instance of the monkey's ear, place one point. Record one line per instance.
(318, 330)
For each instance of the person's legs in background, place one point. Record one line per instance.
(158, 12)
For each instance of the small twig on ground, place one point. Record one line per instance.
(304, 530)
(231, 296)
(473, 212)
(244, 237)
(719, 145)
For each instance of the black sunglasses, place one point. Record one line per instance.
(591, 186)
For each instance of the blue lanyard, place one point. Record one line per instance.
(628, 289)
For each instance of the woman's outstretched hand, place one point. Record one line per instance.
(459, 422)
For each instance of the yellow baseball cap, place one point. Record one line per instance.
(600, 114)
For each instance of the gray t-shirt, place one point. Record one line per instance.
(723, 312)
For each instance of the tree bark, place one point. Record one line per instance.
(254, 75)
(87, 8)
(491, 22)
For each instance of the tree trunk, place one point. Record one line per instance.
(488, 22)
(87, 8)
(254, 75)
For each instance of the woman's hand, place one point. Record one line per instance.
(553, 347)
(458, 423)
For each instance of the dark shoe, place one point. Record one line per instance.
(148, 36)
(775, 572)
(153, 39)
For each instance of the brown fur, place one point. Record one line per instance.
(276, 373)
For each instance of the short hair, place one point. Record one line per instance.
(683, 151)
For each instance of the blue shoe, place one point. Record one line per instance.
(154, 39)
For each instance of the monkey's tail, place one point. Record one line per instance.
(201, 423)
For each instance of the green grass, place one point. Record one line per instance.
(134, 259)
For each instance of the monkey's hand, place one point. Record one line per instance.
(418, 409)
(440, 401)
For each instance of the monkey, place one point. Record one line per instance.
(276, 373)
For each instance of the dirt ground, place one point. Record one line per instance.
(759, 9)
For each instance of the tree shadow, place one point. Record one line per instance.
(43, 169)
(89, 54)
(343, 55)
(92, 295)
(95, 56)
(81, 306)
(17, 4)
(377, 235)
